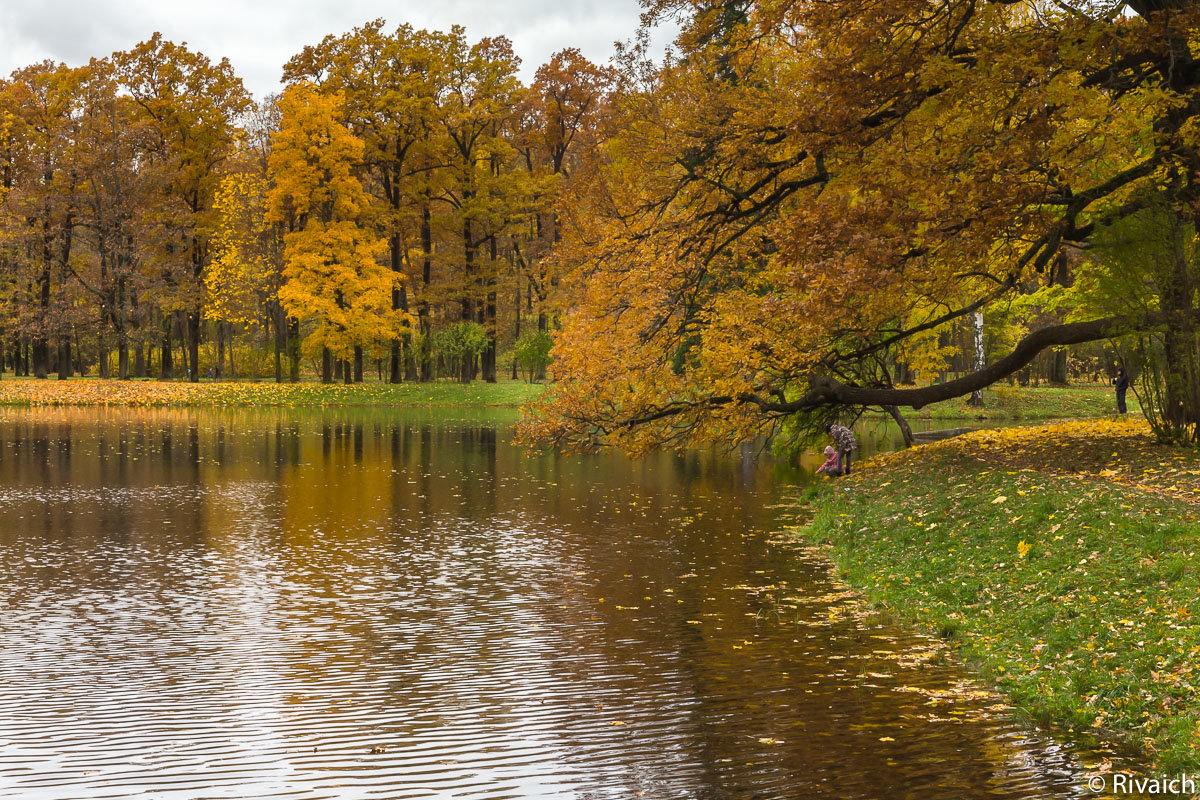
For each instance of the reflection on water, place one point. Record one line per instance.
(375, 604)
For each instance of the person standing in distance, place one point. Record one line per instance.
(1122, 384)
(844, 441)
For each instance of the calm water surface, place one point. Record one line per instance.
(395, 605)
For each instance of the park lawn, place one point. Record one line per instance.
(1085, 401)
(1060, 560)
(151, 393)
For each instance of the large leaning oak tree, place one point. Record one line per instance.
(808, 185)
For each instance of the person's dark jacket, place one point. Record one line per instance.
(1121, 381)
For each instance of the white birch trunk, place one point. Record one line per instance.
(977, 395)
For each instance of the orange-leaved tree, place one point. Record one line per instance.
(808, 186)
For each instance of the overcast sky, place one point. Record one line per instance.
(258, 36)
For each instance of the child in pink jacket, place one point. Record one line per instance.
(832, 466)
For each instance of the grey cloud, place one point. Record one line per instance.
(258, 37)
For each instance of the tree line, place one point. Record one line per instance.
(393, 207)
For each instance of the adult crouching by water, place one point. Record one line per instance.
(844, 441)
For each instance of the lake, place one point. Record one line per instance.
(401, 604)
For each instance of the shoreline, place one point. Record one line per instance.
(150, 393)
(1058, 561)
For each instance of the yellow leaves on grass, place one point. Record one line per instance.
(160, 394)
(1116, 451)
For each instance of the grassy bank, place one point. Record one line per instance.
(95, 392)
(1087, 401)
(1061, 560)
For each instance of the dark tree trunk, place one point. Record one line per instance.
(905, 431)
(489, 319)
(65, 369)
(1058, 371)
(293, 346)
(326, 365)
(358, 364)
(122, 355)
(139, 360)
(166, 368)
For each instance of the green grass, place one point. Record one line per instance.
(1061, 561)
(1088, 401)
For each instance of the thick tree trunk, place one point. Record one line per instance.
(326, 365)
(358, 364)
(905, 431)
(1058, 372)
(1181, 350)
(828, 392)
(41, 357)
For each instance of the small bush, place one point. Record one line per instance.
(532, 354)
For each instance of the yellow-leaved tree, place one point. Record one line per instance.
(332, 277)
(242, 274)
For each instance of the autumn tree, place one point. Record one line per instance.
(40, 203)
(111, 139)
(388, 83)
(331, 274)
(245, 275)
(560, 127)
(811, 185)
(474, 107)
(192, 106)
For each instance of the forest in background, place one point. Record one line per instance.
(391, 212)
